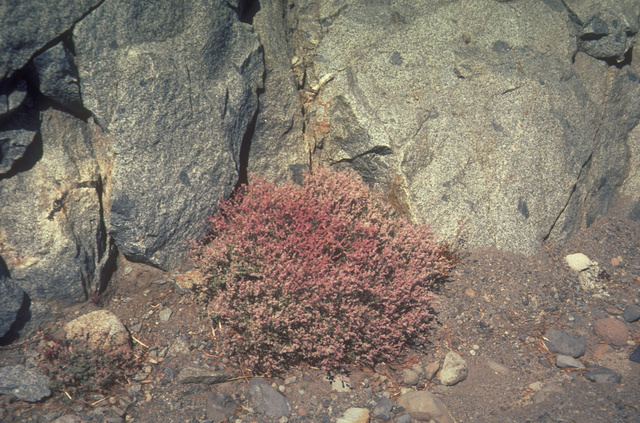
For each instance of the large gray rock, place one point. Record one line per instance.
(12, 298)
(277, 149)
(51, 234)
(175, 86)
(606, 29)
(58, 77)
(13, 92)
(28, 25)
(29, 385)
(473, 111)
(19, 121)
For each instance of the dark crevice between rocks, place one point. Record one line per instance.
(245, 9)
(32, 155)
(250, 9)
(22, 318)
(574, 188)
(107, 266)
(245, 146)
(628, 57)
(30, 74)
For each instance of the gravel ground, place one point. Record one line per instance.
(494, 312)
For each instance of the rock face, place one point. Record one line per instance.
(51, 234)
(514, 126)
(176, 87)
(120, 129)
(20, 41)
(123, 123)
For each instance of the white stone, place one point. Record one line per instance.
(579, 262)
(454, 369)
(354, 415)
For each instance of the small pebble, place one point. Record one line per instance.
(611, 330)
(567, 362)
(603, 375)
(631, 313)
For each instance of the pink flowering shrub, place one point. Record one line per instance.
(324, 273)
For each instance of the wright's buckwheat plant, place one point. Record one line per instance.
(323, 273)
(77, 368)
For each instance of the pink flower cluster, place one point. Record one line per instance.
(323, 273)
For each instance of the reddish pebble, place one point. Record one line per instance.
(615, 262)
(302, 412)
(612, 331)
(601, 350)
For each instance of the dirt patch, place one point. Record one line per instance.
(494, 312)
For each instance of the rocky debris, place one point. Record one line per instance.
(431, 369)
(220, 407)
(546, 392)
(567, 362)
(424, 406)
(607, 34)
(100, 329)
(68, 419)
(602, 375)
(559, 341)
(635, 355)
(29, 385)
(340, 383)
(588, 273)
(193, 374)
(517, 298)
(12, 299)
(267, 399)
(354, 415)
(602, 350)
(454, 369)
(382, 410)
(579, 262)
(410, 377)
(165, 314)
(631, 313)
(498, 368)
(611, 330)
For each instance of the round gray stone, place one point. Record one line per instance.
(559, 341)
(631, 313)
(603, 375)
